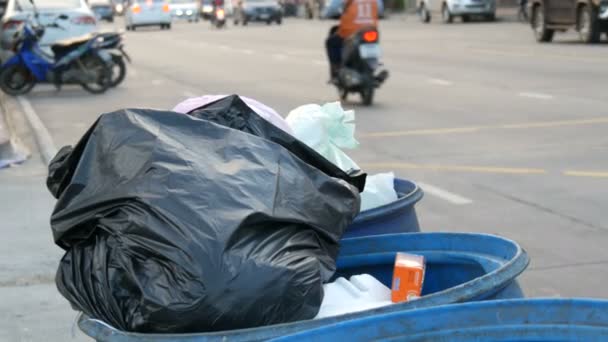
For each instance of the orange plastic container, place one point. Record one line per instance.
(408, 277)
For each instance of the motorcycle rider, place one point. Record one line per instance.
(356, 14)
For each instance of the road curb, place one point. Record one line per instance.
(12, 150)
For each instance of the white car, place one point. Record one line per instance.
(148, 13)
(81, 21)
(185, 9)
(448, 9)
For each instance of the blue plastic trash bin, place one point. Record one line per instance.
(461, 267)
(397, 217)
(552, 320)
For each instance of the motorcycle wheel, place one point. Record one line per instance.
(119, 71)
(16, 80)
(103, 72)
(367, 95)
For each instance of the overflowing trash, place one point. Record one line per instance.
(329, 130)
(379, 191)
(408, 277)
(210, 221)
(358, 293)
(259, 108)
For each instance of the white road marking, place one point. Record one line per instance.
(319, 62)
(279, 56)
(132, 72)
(440, 81)
(189, 94)
(224, 47)
(246, 51)
(157, 82)
(44, 139)
(444, 194)
(539, 96)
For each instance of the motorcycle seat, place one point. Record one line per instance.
(63, 46)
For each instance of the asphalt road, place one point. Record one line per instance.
(505, 135)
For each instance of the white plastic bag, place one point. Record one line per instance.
(327, 129)
(379, 190)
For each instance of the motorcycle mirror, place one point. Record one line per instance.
(63, 17)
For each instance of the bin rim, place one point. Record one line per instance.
(409, 199)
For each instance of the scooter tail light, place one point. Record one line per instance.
(136, 8)
(166, 8)
(370, 36)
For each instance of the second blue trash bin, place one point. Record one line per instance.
(460, 268)
(397, 217)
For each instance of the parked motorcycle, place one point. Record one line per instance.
(112, 42)
(78, 61)
(359, 72)
(219, 18)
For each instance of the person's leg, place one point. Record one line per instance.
(333, 46)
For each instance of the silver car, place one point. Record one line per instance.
(81, 21)
(448, 9)
(148, 13)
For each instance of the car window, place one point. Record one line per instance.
(25, 5)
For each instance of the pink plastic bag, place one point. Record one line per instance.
(261, 109)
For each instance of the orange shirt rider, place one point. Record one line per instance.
(357, 15)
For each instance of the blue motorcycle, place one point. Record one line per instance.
(80, 61)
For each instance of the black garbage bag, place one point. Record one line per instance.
(176, 224)
(233, 112)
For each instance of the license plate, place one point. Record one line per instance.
(264, 16)
(369, 51)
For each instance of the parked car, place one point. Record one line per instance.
(80, 21)
(185, 9)
(333, 9)
(448, 9)
(268, 11)
(103, 10)
(588, 17)
(148, 13)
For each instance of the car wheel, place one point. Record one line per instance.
(425, 15)
(588, 24)
(168, 26)
(541, 32)
(491, 17)
(446, 16)
(466, 18)
(133, 27)
(279, 21)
